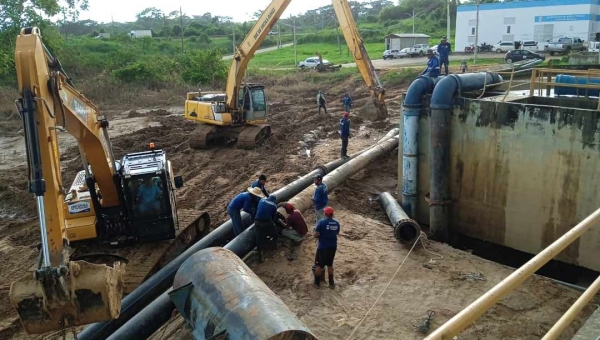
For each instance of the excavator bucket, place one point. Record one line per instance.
(88, 293)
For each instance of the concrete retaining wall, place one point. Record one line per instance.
(522, 173)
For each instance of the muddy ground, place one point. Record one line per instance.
(368, 254)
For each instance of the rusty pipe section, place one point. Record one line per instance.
(406, 230)
(216, 293)
(303, 201)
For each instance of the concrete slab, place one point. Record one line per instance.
(590, 329)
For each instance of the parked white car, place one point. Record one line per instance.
(395, 54)
(312, 62)
(419, 49)
(504, 46)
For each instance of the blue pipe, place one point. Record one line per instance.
(441, 104)
(567, 79)
(411, 109)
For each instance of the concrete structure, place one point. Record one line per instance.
(400, 41)
(591, 329)
(539, 20)
(522, 172)
(141, 33)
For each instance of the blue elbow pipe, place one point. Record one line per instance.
(441, 104)
(411, 109)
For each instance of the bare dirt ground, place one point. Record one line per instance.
(368, 254)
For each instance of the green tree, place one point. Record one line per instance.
(176, 30)
(203, 67)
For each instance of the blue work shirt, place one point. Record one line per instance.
(267, 209)
(328, 230)
(147, 194)
(244, 201)
(433, 68)
(444, 50)
(320, 198)
(344, 127)
(257, 184)
(347, 101)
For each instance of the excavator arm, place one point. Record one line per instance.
(60, 292)
(361, 57)
(245, 51)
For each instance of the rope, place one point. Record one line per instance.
(385, 288)
(425, 248)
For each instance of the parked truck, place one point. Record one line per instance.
(418, 50)
(565, 45)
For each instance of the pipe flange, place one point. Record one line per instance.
(437, 202)
(322, 168)
(406, 231)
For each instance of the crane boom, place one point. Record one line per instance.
(245, 51)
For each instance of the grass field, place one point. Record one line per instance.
(285, 57)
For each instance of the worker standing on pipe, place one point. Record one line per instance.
(245, 201)
(265, 230)
(347, 102)
(296, 228)
(444, 49)
(321, 101)
(320, 197)
(433, 66)
(260, 183)
(326, 232)
(345, 133)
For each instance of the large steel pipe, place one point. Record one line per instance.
(157, 284)
(406, 230)
(303, 201)
(217, 293)
(442, 102)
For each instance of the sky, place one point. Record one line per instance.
(240, 10)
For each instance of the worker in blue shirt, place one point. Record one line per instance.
(320, 197)
(265, 230)
(433, 65)
(444, 49)
(148, 196)
(347, 102)
(246, 202)
(260, 183)
(345, 133)
(326, 232)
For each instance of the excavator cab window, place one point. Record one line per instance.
(258, 101)
(147, 197)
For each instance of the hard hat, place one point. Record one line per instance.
(346, 114)
(429, 51)
(328, 211)
(318, 176)
(289, 207)
(256, 192)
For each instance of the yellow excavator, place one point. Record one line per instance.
(241, 112)
(109, 202)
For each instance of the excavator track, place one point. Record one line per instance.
(145, 259)
(251, 135)
(201, 135)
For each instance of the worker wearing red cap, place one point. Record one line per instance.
(296, 227)
(345, 133)
(326, 232)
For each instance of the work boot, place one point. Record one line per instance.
(331, 282)
(317, 282)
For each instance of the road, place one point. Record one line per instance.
(262, 50)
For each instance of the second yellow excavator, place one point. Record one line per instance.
(241, 112)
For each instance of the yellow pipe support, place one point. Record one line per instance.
(476, 309)
(564, 322)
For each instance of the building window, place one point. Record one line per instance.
(507, 29)
(509, 21)
(472, 30)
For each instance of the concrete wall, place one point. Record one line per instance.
(551, 19)
(522, 174)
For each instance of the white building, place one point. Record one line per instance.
(520, 20)
(140, 33)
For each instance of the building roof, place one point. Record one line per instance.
(524, 4)
(408, 35)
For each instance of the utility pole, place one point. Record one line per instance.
(165, 26)
(295, 50)
(181, 22)
(113, 24)
(278, 36)
(233, 50)
(65, 25)
(413, 17)
(337, 33)
(476, 35)
(448, 20)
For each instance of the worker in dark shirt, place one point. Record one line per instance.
(246, 202)
(326, 232)
(260, 183)
(296, 227)
(265, 229)
(345, 134)
(444, 49)
(320, 197)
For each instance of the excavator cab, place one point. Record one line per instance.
(149, 195)
(253, 100)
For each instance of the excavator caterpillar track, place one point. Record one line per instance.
(201, 135)
(252, 135)
(145, 259)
